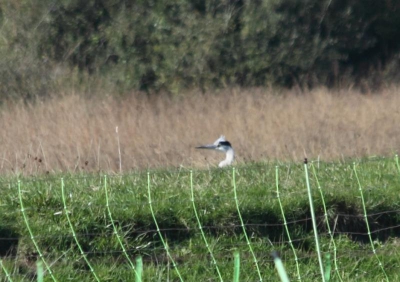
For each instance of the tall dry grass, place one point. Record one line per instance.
(73, 133)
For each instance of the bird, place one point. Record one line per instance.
(223, 146)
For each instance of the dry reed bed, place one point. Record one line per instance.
(73, 133)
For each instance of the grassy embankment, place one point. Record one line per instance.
(214, 201)
(69, 135)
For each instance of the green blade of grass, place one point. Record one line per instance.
(285, 223)
(158, 229)
(314, 222)
(366, 221)
(139, 269)
(31, 233)
(243, 226)
(279, 267)
(74, 234)
(236, 267)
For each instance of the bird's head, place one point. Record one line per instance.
(219, 145)
(223, 146)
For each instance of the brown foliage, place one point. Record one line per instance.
(74, 133)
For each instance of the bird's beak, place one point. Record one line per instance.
(210, 147)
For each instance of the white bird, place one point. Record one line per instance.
(223, 146)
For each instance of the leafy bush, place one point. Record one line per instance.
(23, 73)
(173, 45)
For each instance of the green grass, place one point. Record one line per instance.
(111, 247)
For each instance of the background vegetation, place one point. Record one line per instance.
(73, 133)
(179, 44)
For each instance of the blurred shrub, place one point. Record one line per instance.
(141, 45)
(176, 44)
(22, 71)
(315, 42)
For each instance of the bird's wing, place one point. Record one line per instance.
(220, 139)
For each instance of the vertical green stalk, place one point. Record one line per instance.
(73, 232)
(396, 158)
(201, 227)
(139, 267)
(242, 224)
(366, 222)
(280, 268)
(236, 267)
(314, 222)
(327, 222)
(158, 229)
(5, 271)
(328, 267)
(115, 228)
(39, 271)
(285, 223)
(31, 234)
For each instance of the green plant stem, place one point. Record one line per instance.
(5, 271)
(116, 233)
(139, 267)
(73, 232)
(285, 223)
(236, 267)
(201, 228)
(31, 233)
(242, 224)
(366, 221)
(280, 268)
(158, 229)
(327, 222)
(314, 222)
